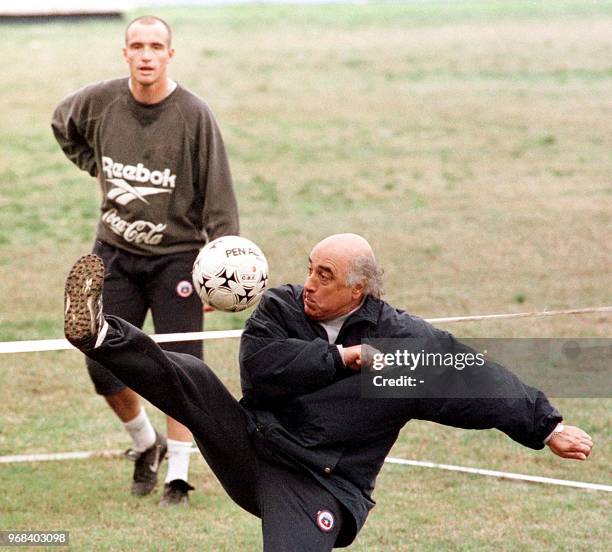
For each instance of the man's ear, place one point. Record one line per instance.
(358, 290)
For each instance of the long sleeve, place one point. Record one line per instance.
(68, 124)
(220, 213)
(481, 396)
(527, 421)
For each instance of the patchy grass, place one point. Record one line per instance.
(468, 141)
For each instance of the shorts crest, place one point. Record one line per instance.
(325, 520)
(184, 288)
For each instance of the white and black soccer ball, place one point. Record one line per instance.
(230, 273)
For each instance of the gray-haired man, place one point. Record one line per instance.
(302, 448)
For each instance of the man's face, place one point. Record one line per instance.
(326, 295)
(147, 53)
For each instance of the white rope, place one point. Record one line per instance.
(519, 315)
(503, 475)
(61, 344)
(17, 458)
(53, 456)
(389, 460)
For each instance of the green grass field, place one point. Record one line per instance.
(469, 141)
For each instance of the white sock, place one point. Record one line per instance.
(178, 460)
(141, 431)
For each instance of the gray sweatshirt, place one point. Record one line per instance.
(163, 168)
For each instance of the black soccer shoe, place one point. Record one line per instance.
(83, 317)
(147, 466)
(175, 493)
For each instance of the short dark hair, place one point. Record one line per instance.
(150, 20)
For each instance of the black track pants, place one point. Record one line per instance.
(298, 515)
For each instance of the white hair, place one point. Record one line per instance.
(365, 269)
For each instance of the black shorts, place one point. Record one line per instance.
(134, 284)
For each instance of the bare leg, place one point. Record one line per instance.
(125, 403)
(177, 431)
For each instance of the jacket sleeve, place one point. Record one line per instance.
(274, 365)
(527, 421)
(220, 213)
(486, 397)
(68, 124)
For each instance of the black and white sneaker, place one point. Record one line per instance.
(83, 318)
(147, 466)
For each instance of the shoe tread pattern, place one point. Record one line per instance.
(82, 294)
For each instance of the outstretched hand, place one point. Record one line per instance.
(572, 442)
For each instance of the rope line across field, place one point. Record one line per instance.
(62, 344)
(43, 345)
(82, 455)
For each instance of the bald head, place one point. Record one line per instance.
(339, 276)
(346, 245)
(361, 265)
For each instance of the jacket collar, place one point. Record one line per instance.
(368, 312)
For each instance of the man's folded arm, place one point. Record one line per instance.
(275, 365)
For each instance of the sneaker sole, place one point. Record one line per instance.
(81, 299)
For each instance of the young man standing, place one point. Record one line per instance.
(159, 157)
